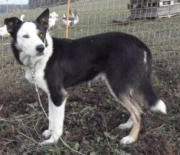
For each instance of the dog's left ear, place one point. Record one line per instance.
(12, 23)
(43, 19)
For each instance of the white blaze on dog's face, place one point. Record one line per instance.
(31, 40)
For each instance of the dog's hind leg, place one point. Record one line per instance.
(133, 107)
(122, 94)
(127, 125)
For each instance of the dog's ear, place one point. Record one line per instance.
(43, 19)
(12, 23)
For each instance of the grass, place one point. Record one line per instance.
(92, 116)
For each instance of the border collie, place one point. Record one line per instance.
(121, 59)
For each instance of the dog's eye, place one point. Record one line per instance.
(25, 36)
(41, 35)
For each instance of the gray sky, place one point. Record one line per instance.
(13, 1)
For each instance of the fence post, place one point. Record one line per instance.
(67, 18)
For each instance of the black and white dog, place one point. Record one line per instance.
(121, 59)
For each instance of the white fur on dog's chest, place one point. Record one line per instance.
(40, 80)
(38, 76)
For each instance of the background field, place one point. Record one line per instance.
(92, 115)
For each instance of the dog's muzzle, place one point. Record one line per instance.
(40, 50)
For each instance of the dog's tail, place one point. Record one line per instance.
(159, 106)
(149, 94)
(154, 102)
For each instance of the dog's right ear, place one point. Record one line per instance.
(43, 18)
(12, 23)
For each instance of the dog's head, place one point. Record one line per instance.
(29, 37)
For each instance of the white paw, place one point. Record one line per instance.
(47, 133)
(53, 139)
(127, 125)
(127, 140)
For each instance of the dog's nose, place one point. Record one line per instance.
(40, 48)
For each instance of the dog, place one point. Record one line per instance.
(121, 60)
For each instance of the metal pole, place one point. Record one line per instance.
(67, 18)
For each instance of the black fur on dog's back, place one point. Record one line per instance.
(76, 61)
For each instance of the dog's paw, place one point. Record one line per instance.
(53, 139)
(49, 141)
(125, 126)
(127, 140)
(47, 133)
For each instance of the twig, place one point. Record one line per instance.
(159, 127)
(1, 107)
(28, 137)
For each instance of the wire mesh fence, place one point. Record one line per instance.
(95, 16)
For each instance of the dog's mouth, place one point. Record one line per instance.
(40, 54)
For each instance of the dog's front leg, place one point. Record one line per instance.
(47, 133)
(56, 118)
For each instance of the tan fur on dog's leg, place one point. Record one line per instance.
(133, 136)
(136, 128)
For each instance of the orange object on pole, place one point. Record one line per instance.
(67, 18)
